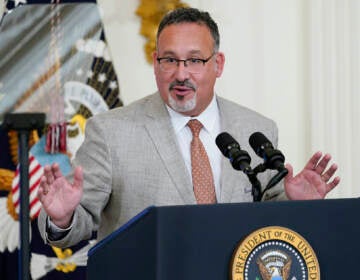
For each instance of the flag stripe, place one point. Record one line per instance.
(35, 173)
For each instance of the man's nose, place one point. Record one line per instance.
(182, 72)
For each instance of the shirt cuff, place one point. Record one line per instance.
(54, 232)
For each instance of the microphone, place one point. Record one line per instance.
(273, 159)
(230, 148)
(240, 160)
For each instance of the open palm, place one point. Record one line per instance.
(58, 196)
(314, 181)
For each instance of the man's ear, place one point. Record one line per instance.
(220, 61)
(154, 56)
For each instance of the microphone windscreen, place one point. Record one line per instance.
(223, 141)
(256, 140)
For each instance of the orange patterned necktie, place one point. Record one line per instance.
(202, 176)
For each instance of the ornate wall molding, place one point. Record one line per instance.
(151, 12)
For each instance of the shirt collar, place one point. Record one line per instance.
(208, 117)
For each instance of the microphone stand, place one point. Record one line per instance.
(282, 172)
(255, 183)
(23, 123)
(256, 187)
(276, 179)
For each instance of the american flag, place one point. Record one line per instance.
(38, 158)
(84, 67)
(35, 173)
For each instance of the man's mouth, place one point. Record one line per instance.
(182, 88)
(181, 91)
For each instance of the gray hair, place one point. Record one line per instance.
(182, 15)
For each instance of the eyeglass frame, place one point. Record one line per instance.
(204, 61)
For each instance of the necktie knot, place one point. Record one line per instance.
(195, 127)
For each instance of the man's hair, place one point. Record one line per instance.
(187, 15)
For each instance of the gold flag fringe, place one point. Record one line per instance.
(6, 178)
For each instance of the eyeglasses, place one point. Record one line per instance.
(193, 65)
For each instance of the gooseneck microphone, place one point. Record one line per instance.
(240, 160)
(230, 148)
(273, 159)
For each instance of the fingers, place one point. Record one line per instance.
(312, 163)
(51, 173)
(326, 175)
(78, 177)
(56, 171)
(43, 188)
(290, 174)
(319, 164)
(332, 184)
(329, 173)
(48, 175)
(46, 180)
(322, 164)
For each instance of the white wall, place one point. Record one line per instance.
(122, 28)
(266, 44)
(334, 74)
(262, 42)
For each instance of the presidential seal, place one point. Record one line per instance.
(274, 253)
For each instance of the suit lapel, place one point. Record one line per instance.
(231, 180)
(158, 125)
(161, 132)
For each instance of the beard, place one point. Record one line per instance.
(181, 106)
(178, 103)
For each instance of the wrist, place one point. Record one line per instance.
(63, 223)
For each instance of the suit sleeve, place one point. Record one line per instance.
(95, 158)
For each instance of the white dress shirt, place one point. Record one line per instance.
(210, 120)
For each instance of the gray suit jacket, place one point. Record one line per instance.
(131, 160)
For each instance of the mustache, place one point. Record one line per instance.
(185, 83)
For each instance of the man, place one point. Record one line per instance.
(139, 155)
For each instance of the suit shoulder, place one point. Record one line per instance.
(241, 113)
(129, 112)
